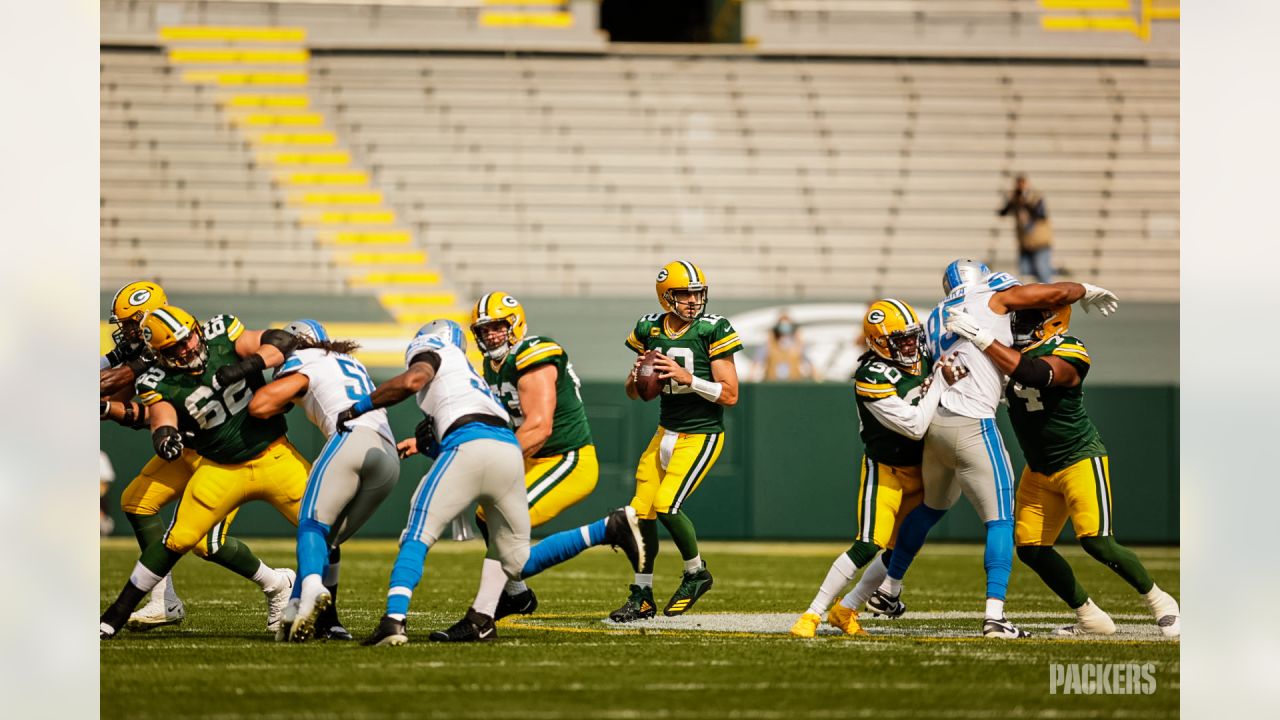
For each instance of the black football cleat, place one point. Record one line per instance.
(389, 632)
(519, 604)
(473, 627)
(622, 530)
(639, 606)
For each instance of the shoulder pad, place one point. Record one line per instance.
(1069, 347)
(1002, 281)
(870, 381)
(224, 324)
(651, 317)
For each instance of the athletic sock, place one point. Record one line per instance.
(405, 576)
(911, 536)
(331, 569)
(1055, 573)
(147, 529)
(693, 565)
(644, 580)
(492, 578)
(997, 560)
(238, 558)
(267, 577)
(1120, 559)
(649, 531)
(838, 576)
(682, 533)
(995, 609)
(555, 549)
(867, 584)
(515, 587)
(891, 586)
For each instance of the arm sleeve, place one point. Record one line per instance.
(904, 418)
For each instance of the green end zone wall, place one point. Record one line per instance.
(789, 469)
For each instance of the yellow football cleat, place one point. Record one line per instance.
(845, 619)
(806, 626)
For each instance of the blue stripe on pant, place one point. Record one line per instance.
(998, 557)
(313, 535)
(407, 571)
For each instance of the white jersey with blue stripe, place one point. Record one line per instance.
(979, 394)
(457, 389)
(335, 382)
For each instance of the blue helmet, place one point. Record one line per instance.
(447, 330)
(310, 329)
(963, 272)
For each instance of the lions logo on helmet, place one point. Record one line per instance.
(176, 339)
(893, 331)
(682, 275)
(493, 314)
(131, 302)
(1031, 327)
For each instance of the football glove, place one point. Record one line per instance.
(362, 406)
(228, 375)
(1101, 298)
(966, 326)
(168, 442)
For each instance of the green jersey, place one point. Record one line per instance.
(1052, 426)
(708, 338)
(217, 421)
(569, 428)
(876, 380)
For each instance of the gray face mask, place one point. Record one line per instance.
(784, 328)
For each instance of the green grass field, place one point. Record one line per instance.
(730, 657)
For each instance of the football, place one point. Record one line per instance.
(647, 382)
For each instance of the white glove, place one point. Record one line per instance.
(1101, 298)
(963, 324)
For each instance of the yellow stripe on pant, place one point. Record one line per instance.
(277, 475)
(886, 493)
(557, 482)
(1081, 491)
(671, 468)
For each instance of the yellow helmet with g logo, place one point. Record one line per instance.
(1033, 326)
(492, 312)
(175, 337)
(131, 301)
(682, 275)
(893, 331)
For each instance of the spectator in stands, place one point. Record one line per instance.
(783, 356)
(1031, 225)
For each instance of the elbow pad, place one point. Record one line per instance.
(1033, 373)
(284, 341)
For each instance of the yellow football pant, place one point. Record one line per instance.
(671, 468)
(557, 482)
(161, 482)
(277, 475)
(1081, 492)
(886, 493)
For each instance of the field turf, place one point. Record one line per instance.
(730, 657)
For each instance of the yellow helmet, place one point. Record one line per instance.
(131, 302)
(176, 339)
(498, 307)
(893, 331)
(1034, 326)
(682, 275)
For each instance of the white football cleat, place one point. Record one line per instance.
(164, 607)
(315, 600)
(1168, 615)
(1091, 620)
(278, 598)
(285, 628)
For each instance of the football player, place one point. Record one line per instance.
(1067, 472)
(533, 379)
(238, 457)
(696, 360)
(160, 481)
(963, 450)
(896, 402)
(354, 473)
(477, 459)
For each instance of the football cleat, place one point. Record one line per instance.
(106, 632)
(473, 627)
(278, 598)
(806, 626)
(305, 625)
(692, 586)
(285, 629)
(844, 619)
(333, 632)
(1091, 620)
(881, 603)
(1002, 629)
(1168, 615)
(640, 606)
(158, 612)
(622, 530)
(523, 603)
(328, 626)
(389, 632)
